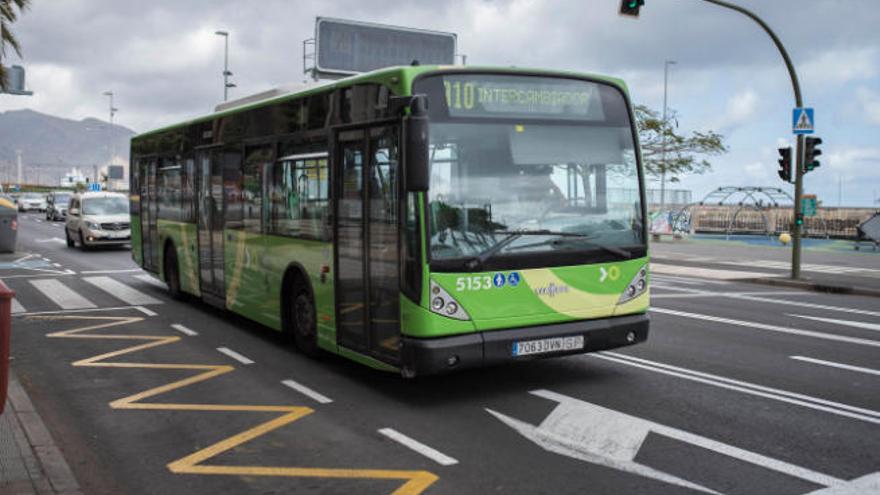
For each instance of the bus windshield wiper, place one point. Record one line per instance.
(481, 258)
(570, 238)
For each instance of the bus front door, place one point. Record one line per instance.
(210, 222)
(367, 264)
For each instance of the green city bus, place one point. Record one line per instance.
(416, 219)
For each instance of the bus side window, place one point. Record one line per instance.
(299, 197)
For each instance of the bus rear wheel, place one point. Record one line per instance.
(304, 322)
(172, 273)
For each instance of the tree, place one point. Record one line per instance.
(684, 154)
(9, 12)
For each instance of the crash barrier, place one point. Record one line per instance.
(6, 296)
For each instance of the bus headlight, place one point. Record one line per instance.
(636, 287)
(444, 304)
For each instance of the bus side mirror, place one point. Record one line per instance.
(415, 145)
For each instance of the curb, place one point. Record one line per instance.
(39, 440)
(814, 286)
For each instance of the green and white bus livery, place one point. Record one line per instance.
(415, 219)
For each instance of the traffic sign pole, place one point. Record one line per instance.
(797, 227)
(798, 184)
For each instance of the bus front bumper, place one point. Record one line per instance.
(440, 355)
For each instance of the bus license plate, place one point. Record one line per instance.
(543, 346)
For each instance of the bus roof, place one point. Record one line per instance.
(398, 78)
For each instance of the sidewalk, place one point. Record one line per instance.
(30, 462)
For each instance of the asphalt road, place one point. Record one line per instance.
(740, 389)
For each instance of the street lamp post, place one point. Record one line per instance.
(113, 111)
(226, 73)
(666, 65)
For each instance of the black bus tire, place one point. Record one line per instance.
(303, 322)
(172, 273)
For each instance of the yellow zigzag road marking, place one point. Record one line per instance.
(416, 481)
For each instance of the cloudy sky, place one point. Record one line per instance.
(163, 62)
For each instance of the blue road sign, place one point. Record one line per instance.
(95, 187)
(513, 279)
(802, 121)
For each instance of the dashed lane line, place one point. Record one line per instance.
(184, 330)
(101, 272)
(412, 444)
(61, 294)
(122, 291)
(234, 355)
(316, 396)
(414, 481)
(836, 365)
(846, 323)
(787, 302)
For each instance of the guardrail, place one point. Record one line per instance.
(6, 296)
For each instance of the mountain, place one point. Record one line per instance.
(51, 146)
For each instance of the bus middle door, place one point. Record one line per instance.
(366, 241)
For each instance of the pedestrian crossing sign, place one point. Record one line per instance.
(95, 187)
(802, 120)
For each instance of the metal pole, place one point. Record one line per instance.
(666, 65)
(225, 67)
(799, 153)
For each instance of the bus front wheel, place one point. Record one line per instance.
(304, 322)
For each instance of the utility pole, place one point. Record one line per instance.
(799, 153)
(113, 111)
(666, 65)
(18, 160)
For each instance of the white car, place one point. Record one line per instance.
(57, 205)
(32, 202)
(98, 219)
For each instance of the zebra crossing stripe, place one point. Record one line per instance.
(17, 307)
(122, 291)
(151, 280)
(61, 294)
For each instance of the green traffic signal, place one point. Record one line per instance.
(811, 151)
(631, 7)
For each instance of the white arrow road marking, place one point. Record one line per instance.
(848, 323)
(603, 436)
(836, 365)
(604, 274)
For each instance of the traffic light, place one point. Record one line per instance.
(785, 164)
(631, 7)
(811, 151)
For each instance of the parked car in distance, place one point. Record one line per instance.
(32, 201)
(56, 205)
(97, 219)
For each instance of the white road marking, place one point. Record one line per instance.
(88, 310)
(836, 365)
(667, 278)
(234, 355)
(61, 294)
(431, 453)
(145, 311)
(182, 329)
(323, 399)
(122, 291)
(807, 401)
(25, 257)
(17, 307)
(848, 323)
(787, 302)
(56, 265)
(604, 436)
(53, 239)
(98, 272)
(151, 280)
(692, 271)
(728, 294)
(43, 274)
(765, 326)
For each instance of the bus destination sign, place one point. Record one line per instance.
(499, 96)
(349, 47)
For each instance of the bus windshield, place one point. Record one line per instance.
(523, 165)
(112, 205)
